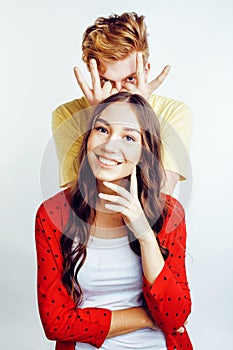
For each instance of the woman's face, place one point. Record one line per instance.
(114, 145)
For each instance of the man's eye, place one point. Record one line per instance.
(103, 80)
(131, 79)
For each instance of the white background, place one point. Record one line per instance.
(40, 44)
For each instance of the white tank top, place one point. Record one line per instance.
(111, 278)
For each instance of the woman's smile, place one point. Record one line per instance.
(114, 143)
(107, 162)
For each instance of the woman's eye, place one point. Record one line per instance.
(101, 129)
(129, 138)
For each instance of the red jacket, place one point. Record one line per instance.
(168, 299)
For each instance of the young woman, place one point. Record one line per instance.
(111, 249)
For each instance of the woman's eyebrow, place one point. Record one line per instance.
(126, 128)
(132, 129)
(100, 120)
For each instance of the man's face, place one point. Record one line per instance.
(121, 72)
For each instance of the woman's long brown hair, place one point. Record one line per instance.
(82, 196)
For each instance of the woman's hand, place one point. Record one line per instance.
(181, 329)
(127, 203)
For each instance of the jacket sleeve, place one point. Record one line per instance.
(168, 299)
(60, 318)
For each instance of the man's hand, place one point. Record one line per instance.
(98, 92)
(142, 87)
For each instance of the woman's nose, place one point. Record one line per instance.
(111, 146)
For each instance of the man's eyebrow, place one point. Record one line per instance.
(129, 75)
(127, 128)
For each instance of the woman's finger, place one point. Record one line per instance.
(119, 190)
(115, 199)
(115, 208)
(180, 330)
(134, 183)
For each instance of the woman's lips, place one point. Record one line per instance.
(107, 161)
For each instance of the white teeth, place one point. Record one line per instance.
(107, 161)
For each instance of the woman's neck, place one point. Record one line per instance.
(121, 182)
(107, 224)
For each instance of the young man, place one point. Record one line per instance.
(116, 52)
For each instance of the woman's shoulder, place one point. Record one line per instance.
(55, 209)
(173, 203)
(59, 199)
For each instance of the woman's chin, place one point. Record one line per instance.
(107, 179)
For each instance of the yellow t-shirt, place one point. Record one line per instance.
(69, 122)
